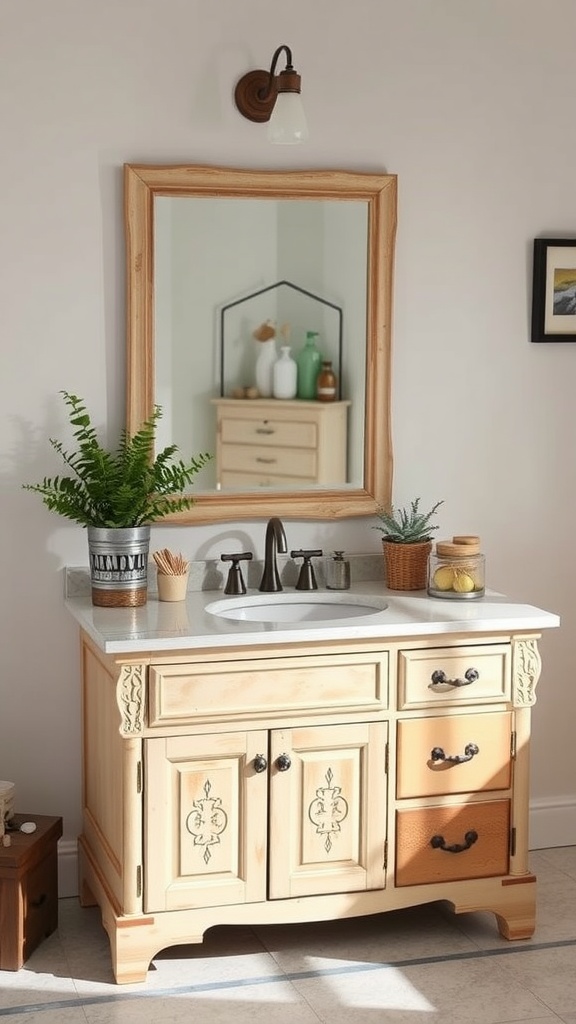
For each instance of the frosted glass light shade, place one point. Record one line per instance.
(287, 125)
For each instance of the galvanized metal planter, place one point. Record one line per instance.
(119, 566)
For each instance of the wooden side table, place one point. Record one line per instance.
(28, 889)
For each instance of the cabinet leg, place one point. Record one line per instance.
(130, 952)
(516, 928)
(129, 973)
(514, 907)
(516, 912)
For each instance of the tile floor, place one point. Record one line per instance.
(419, 966)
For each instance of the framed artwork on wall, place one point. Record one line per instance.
(554, 290)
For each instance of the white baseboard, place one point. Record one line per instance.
(552, 823)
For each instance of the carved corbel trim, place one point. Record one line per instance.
(526, 667)
(130, 699)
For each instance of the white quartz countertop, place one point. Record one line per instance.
(186, 625)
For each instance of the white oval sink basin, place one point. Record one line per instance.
(297, 607)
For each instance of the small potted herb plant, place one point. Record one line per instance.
(407, 542)
(116, 494)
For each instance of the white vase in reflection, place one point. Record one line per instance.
(284, 375)
(264, 366)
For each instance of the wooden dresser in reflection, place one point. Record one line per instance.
(267, 442)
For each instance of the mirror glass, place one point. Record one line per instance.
(225, 270)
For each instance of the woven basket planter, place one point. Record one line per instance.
(406, 565)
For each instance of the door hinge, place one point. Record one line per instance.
(385, 853)
(139, 776)
(139, 880)
(513, 745)
(387, 759)
(512, 842)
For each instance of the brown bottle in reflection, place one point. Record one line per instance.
(326, 383)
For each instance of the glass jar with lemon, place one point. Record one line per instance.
(456, 569)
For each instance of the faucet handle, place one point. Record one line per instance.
(306, 579)
(235, 583)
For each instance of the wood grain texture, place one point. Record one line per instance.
(28, 889)
(141, 184)
(418, 862)
(261, 442)
(182, 831)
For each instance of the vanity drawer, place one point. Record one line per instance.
(419, 862)
(265, 433)
(463, 675)
(252, 481)
(181, 694)
(419, 774)
(243, 458)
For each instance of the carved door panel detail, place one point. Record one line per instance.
(205, 827)
(207, 820)
(328, 809)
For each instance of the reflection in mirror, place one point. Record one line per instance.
(206, 250)
(208, 255)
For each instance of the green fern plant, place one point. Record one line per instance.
(407, 525)
(121, 488)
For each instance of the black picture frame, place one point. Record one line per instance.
(554, 290)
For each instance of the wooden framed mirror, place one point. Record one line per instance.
(201, 239)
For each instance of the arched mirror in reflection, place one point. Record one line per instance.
(215, 255)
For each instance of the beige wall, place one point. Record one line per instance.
(470, 104)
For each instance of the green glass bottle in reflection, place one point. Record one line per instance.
(309, 362)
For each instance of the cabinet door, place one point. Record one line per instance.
(205, 821)
(327, 809)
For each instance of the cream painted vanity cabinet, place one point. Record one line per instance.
(264, 442)
(263, 776)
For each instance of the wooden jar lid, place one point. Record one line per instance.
(457, 549)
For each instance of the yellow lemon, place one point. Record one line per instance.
(463, 583)
(443, 578)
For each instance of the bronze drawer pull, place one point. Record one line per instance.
(470, 750)
(260, 763)
(265, 461)
(283, 762)
(439, 843)
(265, 430)
(440, 678)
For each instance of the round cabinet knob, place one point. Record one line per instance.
(283, 762)
(438, 677)
(260, 763)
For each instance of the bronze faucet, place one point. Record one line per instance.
(275, 541)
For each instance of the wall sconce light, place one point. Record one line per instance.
(265, 96)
